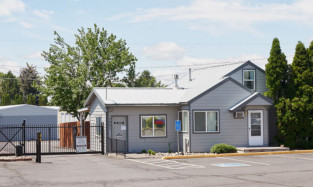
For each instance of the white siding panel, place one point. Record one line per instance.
(97, 110)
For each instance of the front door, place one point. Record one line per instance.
(119, 134)
(255, 122)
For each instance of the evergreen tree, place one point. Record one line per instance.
(31, 99)
(299, 66)
(295, 115)
(147, 80)
(29, 80)
(18, 99)
(5, 100)
(276, 71)
(43, 101)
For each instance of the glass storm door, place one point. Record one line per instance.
(255, 127)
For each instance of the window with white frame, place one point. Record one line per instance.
(184, 118)
(206, 121)
(249, 78)
(153, 126)
(98, 126)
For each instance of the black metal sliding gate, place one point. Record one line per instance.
(55, 140)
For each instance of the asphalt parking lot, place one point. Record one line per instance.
(98, 170)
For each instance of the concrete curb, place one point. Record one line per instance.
(237, 154)
(14, 159)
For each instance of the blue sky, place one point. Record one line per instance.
(158, 32)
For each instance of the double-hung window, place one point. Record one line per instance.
(98, 126)
(249, 79)
(184, 118)
(206, 121)
(153, 126)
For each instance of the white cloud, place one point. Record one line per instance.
(26, 25)
(44, 14)
(237, 14)
(8, 65)
(7, 7)
(36, 55)
(164, 51)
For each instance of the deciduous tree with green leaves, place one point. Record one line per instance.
(96, 60)
(10, 86)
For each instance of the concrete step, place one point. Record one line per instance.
(260, 149)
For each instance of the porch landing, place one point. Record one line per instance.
(260, 149)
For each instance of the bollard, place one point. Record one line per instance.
(38, 148)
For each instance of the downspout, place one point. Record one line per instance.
(190, 126)
(107, 132)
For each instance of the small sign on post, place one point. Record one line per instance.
(81, 144)
(177, 128)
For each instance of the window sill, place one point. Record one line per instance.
(153, 136)
(206, 132)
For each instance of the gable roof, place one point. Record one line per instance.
(245, 64)
(249, 99)
(203, 79)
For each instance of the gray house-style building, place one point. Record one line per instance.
(217, 104)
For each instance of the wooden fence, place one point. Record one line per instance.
(67, 132)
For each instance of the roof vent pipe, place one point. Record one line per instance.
(176, 80)
(190, 74)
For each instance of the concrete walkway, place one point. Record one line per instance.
(260, 149)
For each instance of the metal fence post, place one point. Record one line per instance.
(102, 140)
(38, 147)
(49, 139)
(125, 145)
(24, 137)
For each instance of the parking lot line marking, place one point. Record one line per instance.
(159, 162)
(168, 164)
(294, 157)
(245, 161)
(226, 165)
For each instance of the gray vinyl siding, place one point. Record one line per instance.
(97, 110)
(136, 143)
(265, 122)
(260, 79)
(258, 101)
(232, 131)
